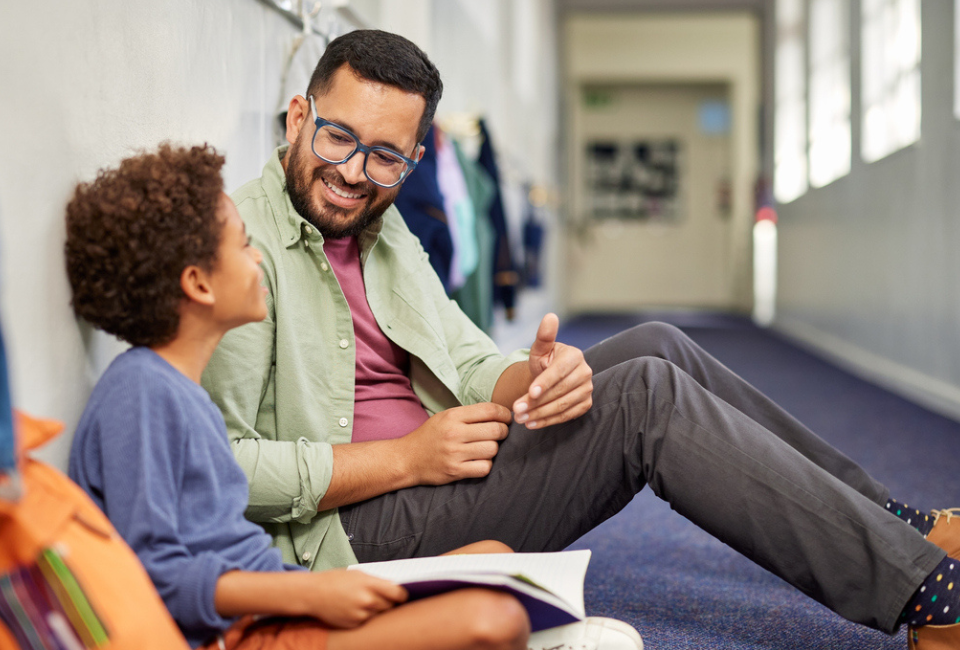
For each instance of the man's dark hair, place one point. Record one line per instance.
(132, 232)
(385, 58)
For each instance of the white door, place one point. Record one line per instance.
(651, 219)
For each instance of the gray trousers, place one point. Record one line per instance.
(668, 415)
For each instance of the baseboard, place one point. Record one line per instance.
(935, 394)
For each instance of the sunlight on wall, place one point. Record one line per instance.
(956, 59)
(829, 91)
(790, 122)
(891, 76)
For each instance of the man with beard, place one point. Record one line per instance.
(375, 421)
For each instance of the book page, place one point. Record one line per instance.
(561, 573)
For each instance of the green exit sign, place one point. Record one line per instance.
(597, 98)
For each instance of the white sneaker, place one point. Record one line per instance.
(593, 633)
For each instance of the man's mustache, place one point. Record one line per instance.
(334, 177)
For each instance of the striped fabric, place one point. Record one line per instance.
(45, 607)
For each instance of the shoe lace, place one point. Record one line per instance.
(949, 513)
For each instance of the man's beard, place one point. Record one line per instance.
(300, 181)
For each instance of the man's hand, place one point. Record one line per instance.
(554, 386)
(454, 444)
(457, 443)
(562, 383)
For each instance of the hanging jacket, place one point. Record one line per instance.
(505, 276)
(421, 205)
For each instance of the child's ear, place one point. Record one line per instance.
(196, 285)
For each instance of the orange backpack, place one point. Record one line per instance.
(67, 579)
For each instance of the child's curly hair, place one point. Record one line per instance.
(132, 232)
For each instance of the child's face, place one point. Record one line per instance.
(236, 277)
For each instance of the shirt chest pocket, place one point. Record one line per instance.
(410, 319)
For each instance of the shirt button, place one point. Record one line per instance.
(323, 265)
(306, 556)
(308, 229)
(344, 343)
(343, 422)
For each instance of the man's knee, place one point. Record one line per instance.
(660, 338)
(496, 620)
(652, 374)
(650, 367)
(654, 339)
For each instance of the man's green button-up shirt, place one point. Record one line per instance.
(286, 385)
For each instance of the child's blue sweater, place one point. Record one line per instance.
(151, 450)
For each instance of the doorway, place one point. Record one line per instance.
(661, 149)
(652, 187)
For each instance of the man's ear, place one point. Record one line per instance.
(420, 151)
(196, 286)
(297, 113)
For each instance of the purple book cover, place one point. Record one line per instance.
(542, 614)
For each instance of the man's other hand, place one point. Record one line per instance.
(562, 386)
(457, 443)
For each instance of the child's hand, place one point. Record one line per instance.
(346, 599)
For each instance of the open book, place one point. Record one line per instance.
(549, 585)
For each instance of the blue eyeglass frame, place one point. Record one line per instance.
(320, 123)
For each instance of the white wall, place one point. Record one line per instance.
(87, 83)
(504, 51)
(868, 264)
(497, 59)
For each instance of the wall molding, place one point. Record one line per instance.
(930, 392)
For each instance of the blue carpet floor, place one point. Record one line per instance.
(683, 589)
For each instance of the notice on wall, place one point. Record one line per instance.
(634, 179)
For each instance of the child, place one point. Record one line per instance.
(158, 256)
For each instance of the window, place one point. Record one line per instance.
(956, 59)
(790, 119)
(829, 91)
(890, 76)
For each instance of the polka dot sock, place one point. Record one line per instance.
(923, 522)
(937, 601)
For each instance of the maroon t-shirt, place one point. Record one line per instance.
(385, 405)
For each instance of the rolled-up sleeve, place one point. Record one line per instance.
(287, 479)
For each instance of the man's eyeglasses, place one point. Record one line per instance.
(334, 144)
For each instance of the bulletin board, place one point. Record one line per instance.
(634, 179)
